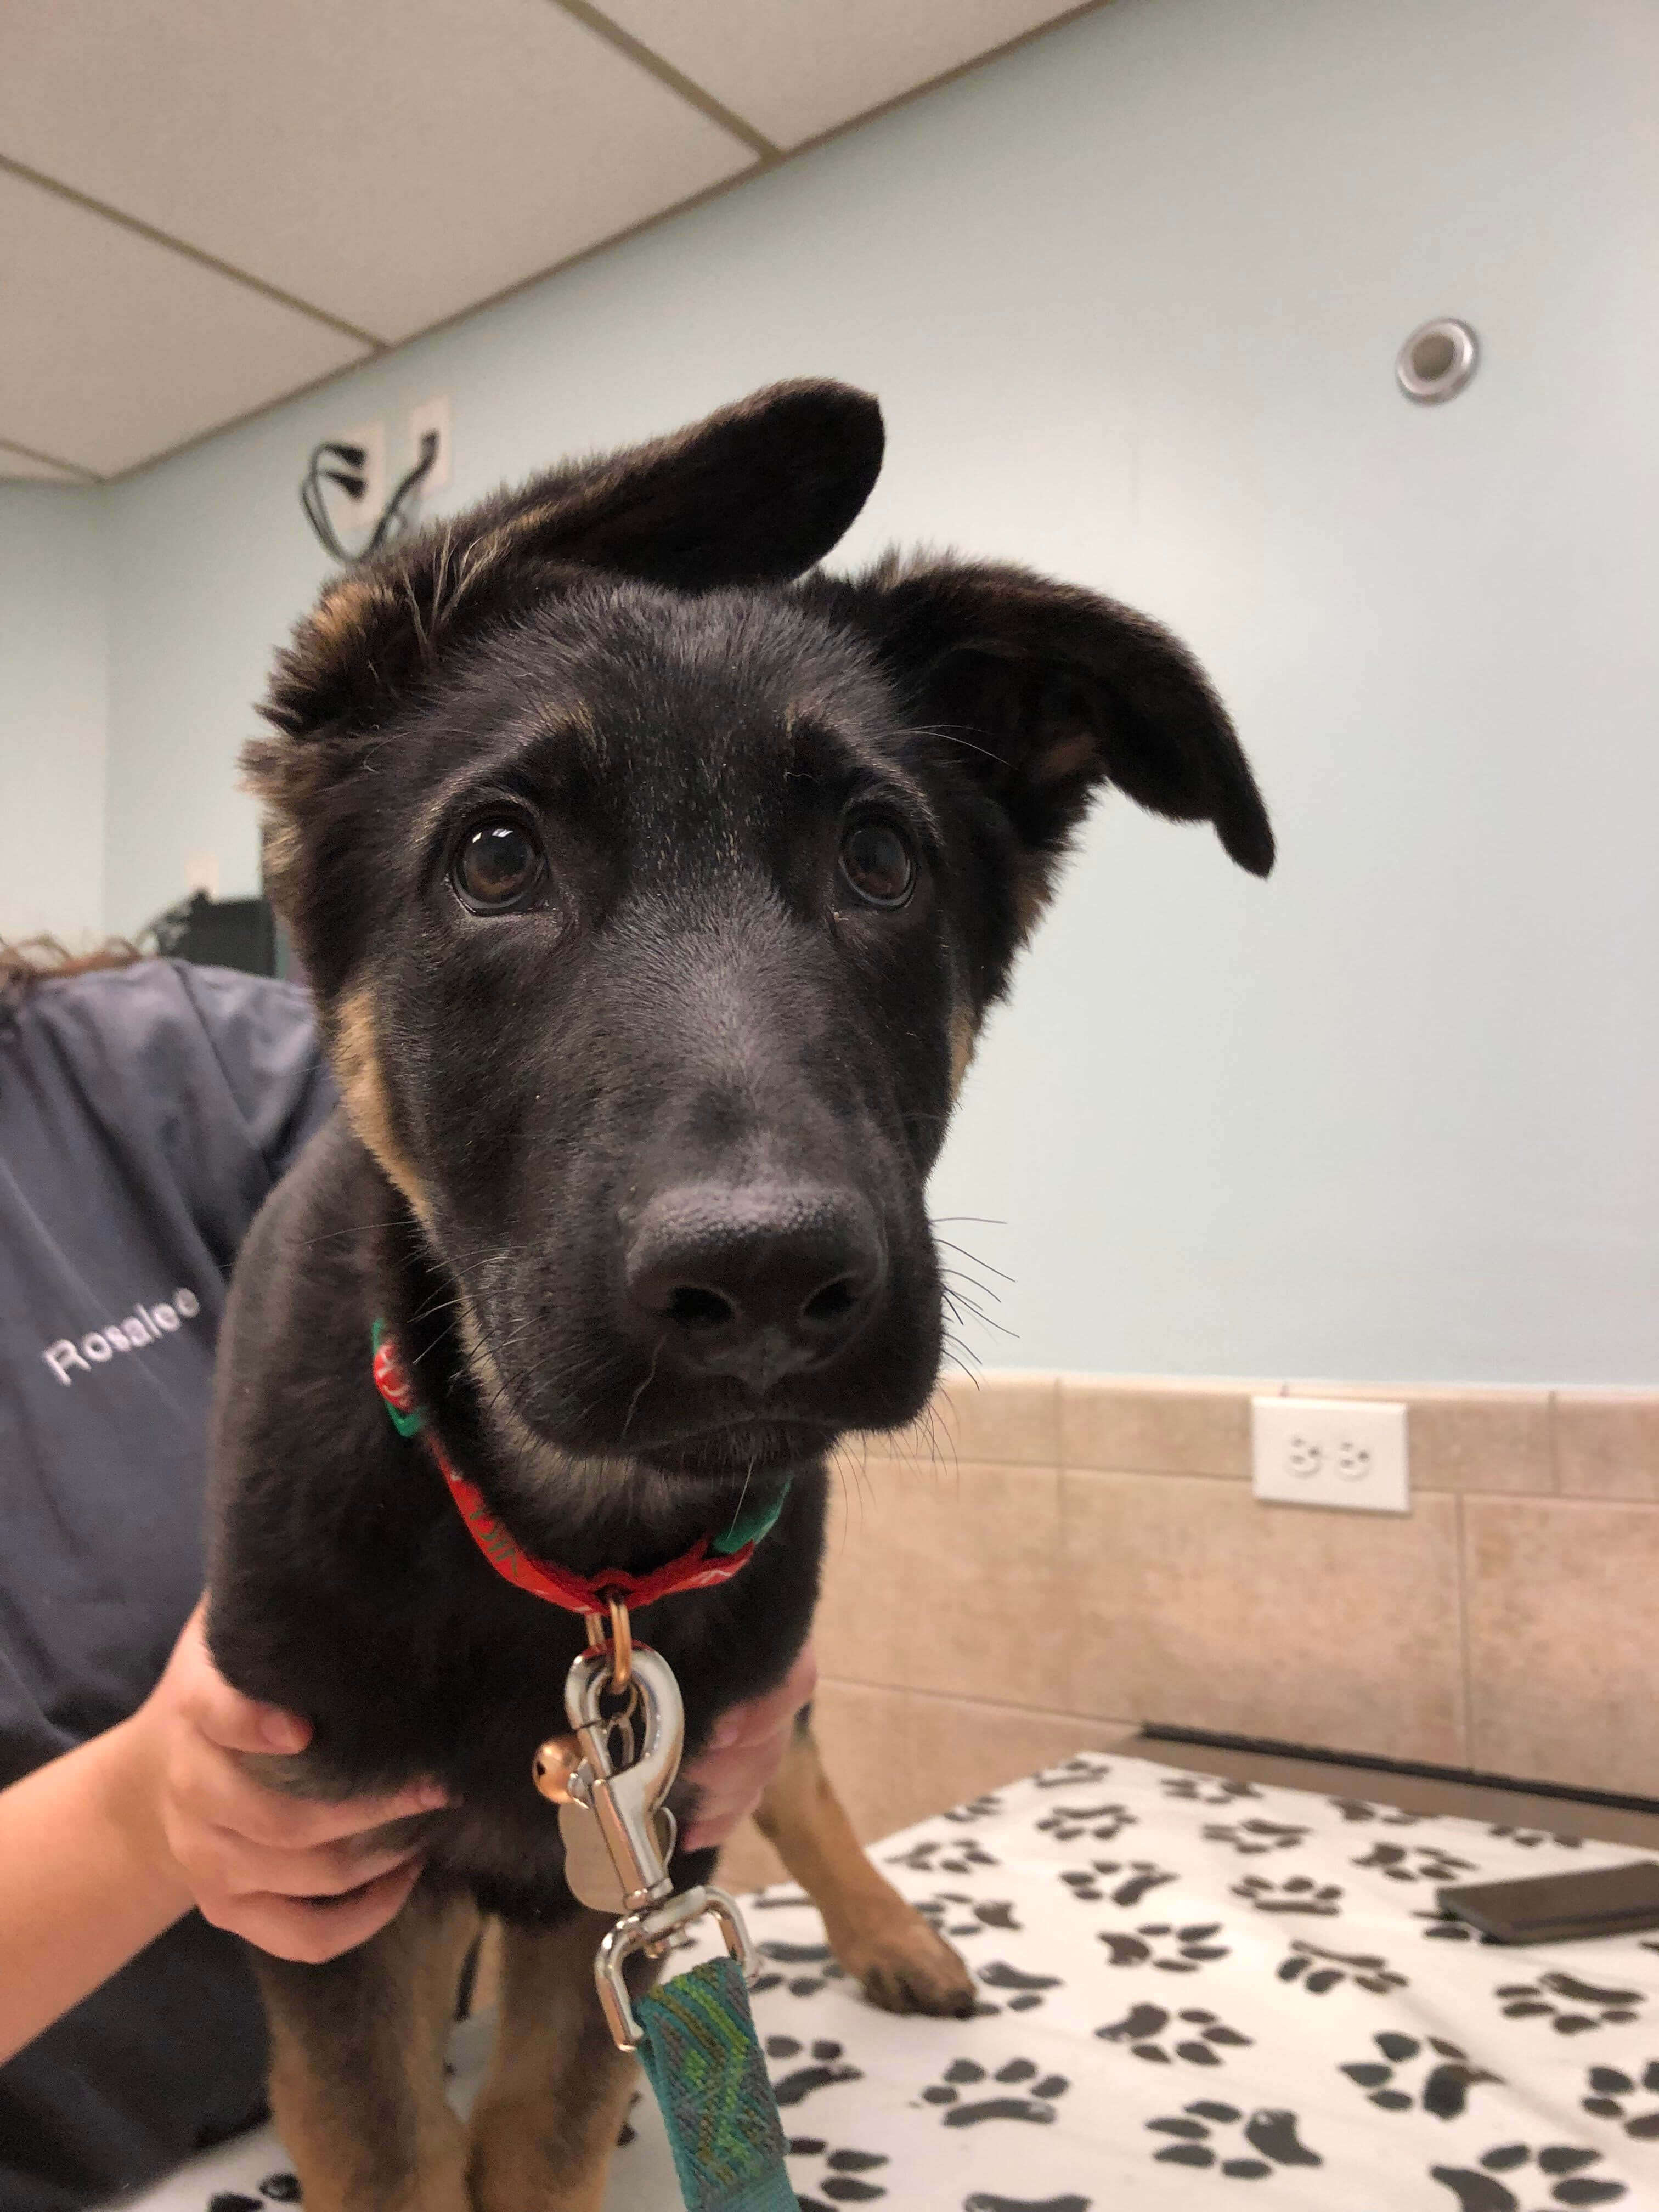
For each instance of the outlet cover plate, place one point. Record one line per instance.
(351, 515)
(1349, 1453)
(433, 415)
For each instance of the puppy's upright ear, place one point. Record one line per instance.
(754, 495)
(1037, 693)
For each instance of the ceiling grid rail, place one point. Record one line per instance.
(766, 153)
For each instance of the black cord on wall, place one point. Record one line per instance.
(393, 518)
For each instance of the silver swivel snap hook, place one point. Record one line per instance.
(617, 1832)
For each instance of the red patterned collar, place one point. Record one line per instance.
(710, 1561)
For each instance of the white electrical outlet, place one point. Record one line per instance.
(202, 873)
(351, 515)
(1346, 1452)
(433, 418)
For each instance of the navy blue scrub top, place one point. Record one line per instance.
(145, 1113)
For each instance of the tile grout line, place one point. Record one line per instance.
(527, 282)
(198, 254)
(986, 1705)
(660, 67)
(1465, 1668)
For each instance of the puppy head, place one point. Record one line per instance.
(653, 899)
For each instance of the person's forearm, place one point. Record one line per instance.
(85, 1880)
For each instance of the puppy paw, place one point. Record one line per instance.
(905, 1965)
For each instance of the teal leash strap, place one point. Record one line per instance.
(704, 2060)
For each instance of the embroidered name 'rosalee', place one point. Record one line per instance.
(143, 1326)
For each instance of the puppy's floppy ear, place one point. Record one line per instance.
(753, 495)
(1038, 692)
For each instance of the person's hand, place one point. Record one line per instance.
(293, 1875)
(744, 1753)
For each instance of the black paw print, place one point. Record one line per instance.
(1270, 2139)
(1444, 2090)
(985, 2200)
(1250, 1838)
(1529, 1838)
(1208, 1790)
(958, 1915)
(1572, 2007)
(1446, 1928)
(1198, 2033)
(942, 1855)
(847, 2177)
(1025, 1991)
(1070, 1771)
(1318, 1970)
(976, 1809)
(1358, 1811)
(828, 2065)
(1016, 2102)
(817, 1957)
(1185, 1949)
(1414, 1862)
(275, 2189)
(1561, 2169)
(1301, 1894)
(1101, 1823)
(1135, 1877)
(1608, 2089)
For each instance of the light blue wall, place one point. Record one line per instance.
(53, 711)
(1131, 298)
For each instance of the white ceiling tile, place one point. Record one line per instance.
(794, 68)
(390, 161)
(17, 466)
(117, 348)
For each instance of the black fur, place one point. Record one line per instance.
(696, 1001)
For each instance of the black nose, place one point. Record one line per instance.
(756, 1280)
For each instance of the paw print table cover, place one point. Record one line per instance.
(1193, 1993)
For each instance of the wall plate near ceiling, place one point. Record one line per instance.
(431, 419)
(361, 512)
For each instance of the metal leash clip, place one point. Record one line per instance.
(617, 1831)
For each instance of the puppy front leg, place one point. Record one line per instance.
(902, 1963)
(357, 2065)
(553, 2103)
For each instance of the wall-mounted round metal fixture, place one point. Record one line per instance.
(1436, 361)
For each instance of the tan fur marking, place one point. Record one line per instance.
(357, 2066)
(552, 2106)
(354, 1051)
(343, 613)
(883, 1942)
(279, 849)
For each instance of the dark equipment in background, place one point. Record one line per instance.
(223, 933)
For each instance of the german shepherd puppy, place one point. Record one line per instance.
(652, 887)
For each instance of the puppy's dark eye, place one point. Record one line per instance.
(498, 867)
(879, 862)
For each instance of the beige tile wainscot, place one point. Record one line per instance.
(946, 1577)
(1157, 1425)
(1195, 1603)
(1606, 1444)
(1563, 1641)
